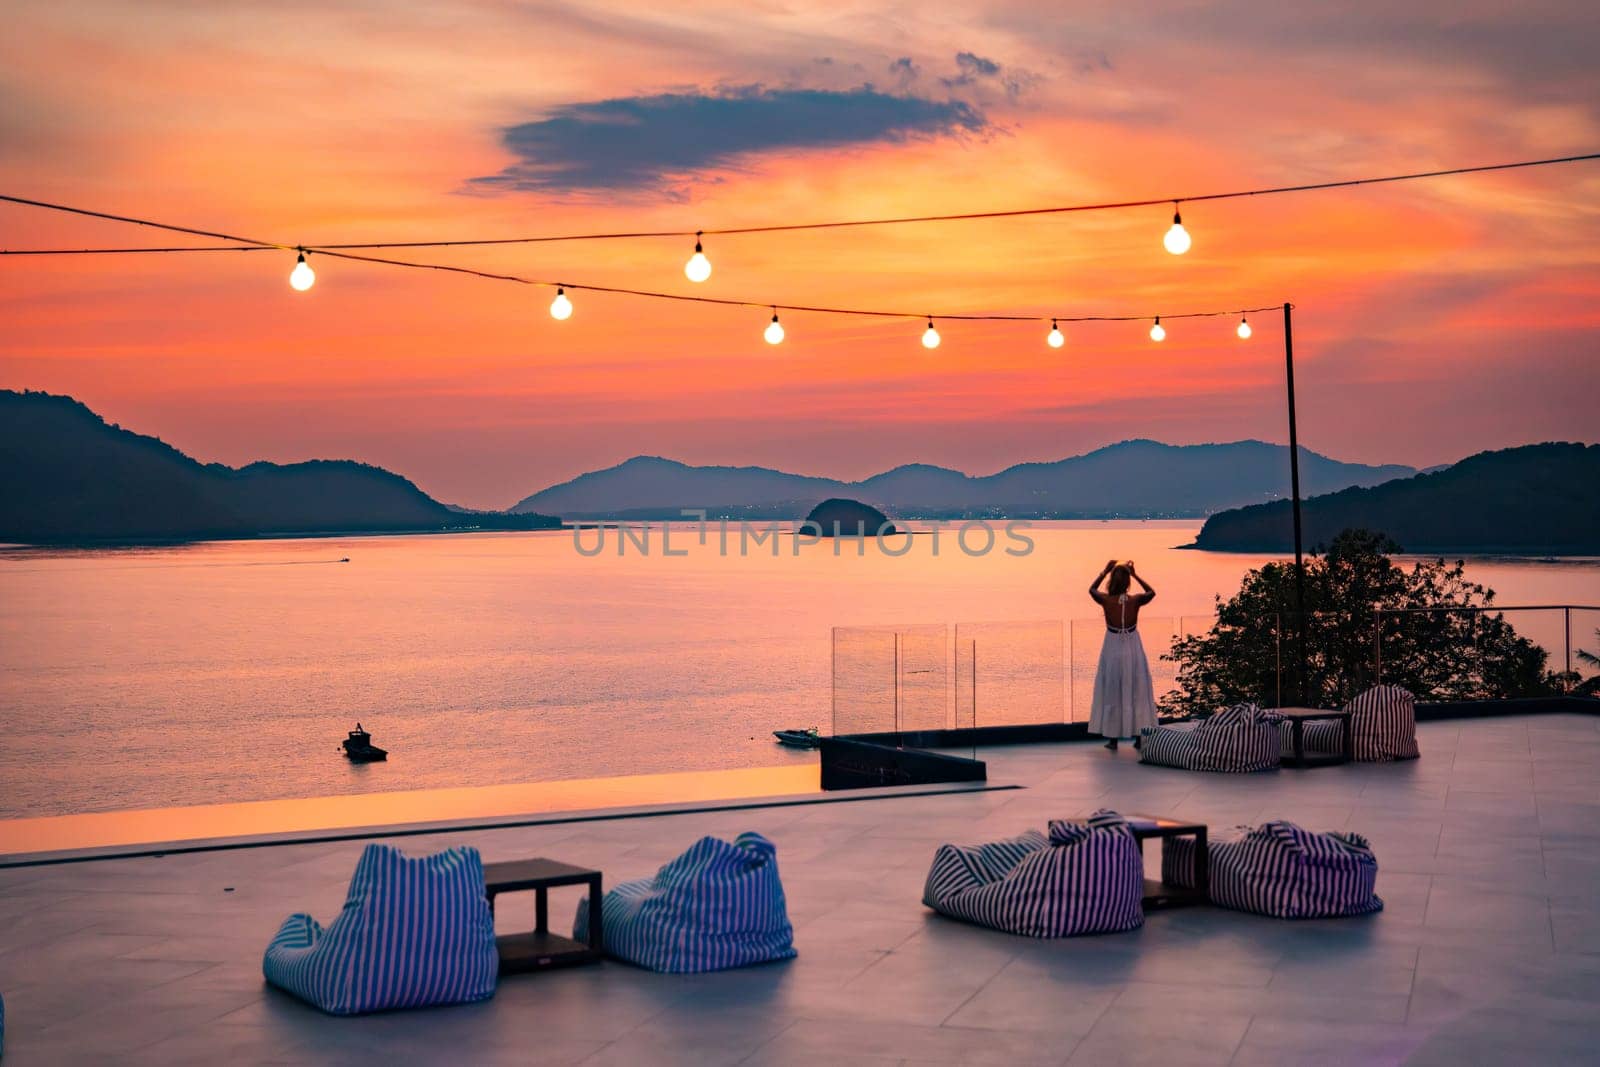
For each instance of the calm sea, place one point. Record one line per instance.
(228, 671)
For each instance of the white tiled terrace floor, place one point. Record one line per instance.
(1488, 950)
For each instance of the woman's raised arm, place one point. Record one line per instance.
(1094, 587)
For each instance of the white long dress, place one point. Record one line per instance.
(1124, 698)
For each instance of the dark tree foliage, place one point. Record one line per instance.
(1251, 653)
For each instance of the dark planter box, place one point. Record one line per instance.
(852, 764)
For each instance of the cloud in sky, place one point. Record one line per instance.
(651, 142)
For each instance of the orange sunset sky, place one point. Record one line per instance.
(1433, 319)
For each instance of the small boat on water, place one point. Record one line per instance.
(799, 738)
(358, 747)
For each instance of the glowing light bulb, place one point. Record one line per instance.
(1244, 331)
(698, 269)
(561, 307)
(774, 331)
(1158, 332)
(930, 336)
(302, 277)
(1054, 336)
(1176, 240)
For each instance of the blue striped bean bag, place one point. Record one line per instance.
(1383, 727)
(717, 906)
(1237, 740)
(413, 932)
(1085, 878)
(1383, 724)
(1282, 870)
(1168, 746)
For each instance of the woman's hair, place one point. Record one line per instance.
(1119, 580)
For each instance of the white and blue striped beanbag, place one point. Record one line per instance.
(1383, 728)
(1237, 740)
(959, 867)
(717, 906)
(413, 932)
(1282, 870)
(1383, 722)
(1168, 746)
(1082, 879)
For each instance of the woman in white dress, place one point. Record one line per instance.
(1124, 699)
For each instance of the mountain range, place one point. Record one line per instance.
(1140, 478)
(1532, 499)
(68, 476)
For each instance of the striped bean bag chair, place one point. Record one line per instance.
(1236, 740)
(415, 931)
(1085, 878)
(717, 906)
(1168, 746)
(1281, 870)
(1383, 727)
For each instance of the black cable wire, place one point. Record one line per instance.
(768, 304)
(263, 246)
(25, 202)
(779, 228)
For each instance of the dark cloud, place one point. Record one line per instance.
(655, 142)
(973, 69)
(976, 66)
(904, 71)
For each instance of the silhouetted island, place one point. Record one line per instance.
(838, 517)
(1536, 499)
(67, 477)
(1132, 479)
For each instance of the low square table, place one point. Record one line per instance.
(1299, 757)
(540, 949)
(1159, 895)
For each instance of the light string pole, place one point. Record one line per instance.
(1294, 493)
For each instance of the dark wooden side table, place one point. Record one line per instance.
(1157, 894)
(1299, 757)
(540, 949)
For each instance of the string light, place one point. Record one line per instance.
(302, 277)
(1158, 332)
(1244, 331)
(1054, 337)
(774, 331)
(561, 307)
(698, 269)
(1176, 240)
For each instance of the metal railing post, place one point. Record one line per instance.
(1566, 613)
(1072, 699)
(1277, 658)
(974, 683)
(898, 740)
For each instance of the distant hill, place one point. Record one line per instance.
(1142, 479)
(1533, 499)
(68, 476)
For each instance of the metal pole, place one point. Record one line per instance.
(1566, 613)
(1377, 646)
(1294, 489)
(897, 738)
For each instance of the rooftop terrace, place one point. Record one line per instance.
(1488, 949)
